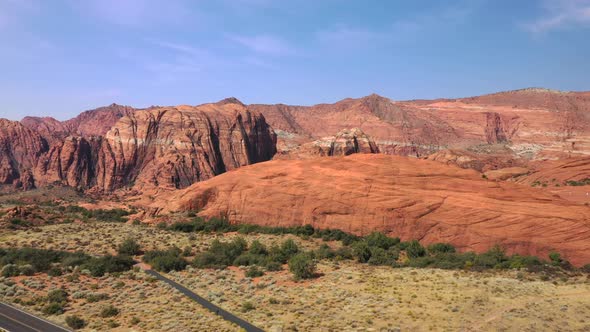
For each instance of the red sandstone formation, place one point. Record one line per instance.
(89, 123)
(169, 147)
(173, 147)
(20, 148)
(405, 197)
(344, 143)
(531, 122)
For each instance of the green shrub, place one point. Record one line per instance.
(324, 252)
(165, 260)
(40, 259)
(109, 311)
(248, 306)
(257, 248)
(187, 251)
(361, 251)
(134, 321)
(16, 223)
(53, 308)
(75, 322)
(379, 240)
(55, 271)
(555, 258)
(438, 248)
(249, 258)
(289, 248)
(493, 258)
(273, 266)
(303, 266)
(57, 296)
(129, 247)
(380, 256)
(415, 249)
(168, 263)
(221, 254)
(10, 270)
(91, 298)
(254, 272)
(108, 264)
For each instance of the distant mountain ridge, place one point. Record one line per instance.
(117, 146)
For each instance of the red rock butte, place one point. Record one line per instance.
(409, 198)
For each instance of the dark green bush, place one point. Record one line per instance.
(254, 272)
(165, 260)
(438, 248)
(169, 263)
(222, 254)
(249, 258)
(303, 266)
(91, 298)
(129, 247)
(40, 259)
(361, 251)
(109, 311)
(380, 240)
(415, 249)
(53, 308)
(257, 248)
(273, 266)
(108, 264)
(75, 322)
(57, 296)
(55, 271)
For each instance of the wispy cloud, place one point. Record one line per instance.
(559, 14)
(346, 36)
(264, 44)
(134, 13)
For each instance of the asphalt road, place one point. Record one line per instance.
(16, 320)
(208, 305)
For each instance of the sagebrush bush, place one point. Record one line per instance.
(129, 247)
(303, 266)
(75, 322)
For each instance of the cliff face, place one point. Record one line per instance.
(175, 147)
(70, 162)
(535, 123)
(169, 147)
(20, 148)
(395, 128)
(405, 197)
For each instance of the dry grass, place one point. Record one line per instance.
(347, 297)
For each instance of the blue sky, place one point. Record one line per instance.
(61, 57)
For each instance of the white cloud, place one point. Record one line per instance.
(347, 37)
(561, 13)
(264, 44)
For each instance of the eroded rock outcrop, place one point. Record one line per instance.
(405, 197)
(344, 143)
(168, 147)
(19, 149)
(535, 123)
(173, 147)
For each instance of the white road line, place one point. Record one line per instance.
(20, 323)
